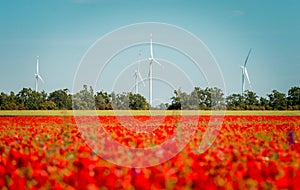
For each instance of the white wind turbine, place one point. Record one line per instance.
(137, 75)
(151, 60)
(37, 74)
(245, 73)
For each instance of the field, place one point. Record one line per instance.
(144, 112)
(55, 150)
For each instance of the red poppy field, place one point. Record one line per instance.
(249, 152)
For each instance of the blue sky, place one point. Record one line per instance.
(61, 31)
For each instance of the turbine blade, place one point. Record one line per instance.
(37, 65)
(157, 62)
(247, 57)
(247, 76)
(40, 78)
(140, 76)
(151, 48)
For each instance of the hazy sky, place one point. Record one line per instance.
(61, 31)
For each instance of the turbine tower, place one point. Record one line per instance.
(137, 76)
(37, 75)
(151, 60)
(245, 73)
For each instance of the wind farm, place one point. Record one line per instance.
(228, 102)
(177, 101)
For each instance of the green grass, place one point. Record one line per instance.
(142, 112)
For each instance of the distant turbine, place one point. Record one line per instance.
(245, 73)
(137, 76)
(151, 59)
(37, 74)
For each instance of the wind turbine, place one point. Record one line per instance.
(245, 73)
(137, 76)
(151, 60)
(37, 74)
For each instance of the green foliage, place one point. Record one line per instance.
(235, 102)
(103, 101)
(137, 102)
(176, 101)
(251, 100)
(126, 101)
(61, 98)
(120, 101)
(264, 104)
(277, 100)
(209, 98)
(31, 100)
(214, 98)
(8, 102)
(84, 100)
(204, 99)
(49, 105)
(293, 99)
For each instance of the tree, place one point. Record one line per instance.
(84, 100)
(264, 104)
(251, 100)
(48, 105)
(31, 100)
(137, 102)
(235, 102)
(163, 106)
(214, 98)
(210, 98)
(198, 97)
(277, 100)
(175, 101)
(61, 98)
(185, 100)
(103, 101)
(8, 102)
(293, 98)
(120, 101)
(99, 102)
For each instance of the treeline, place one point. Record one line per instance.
(213, 98)
(28, 99)
(204, 99)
